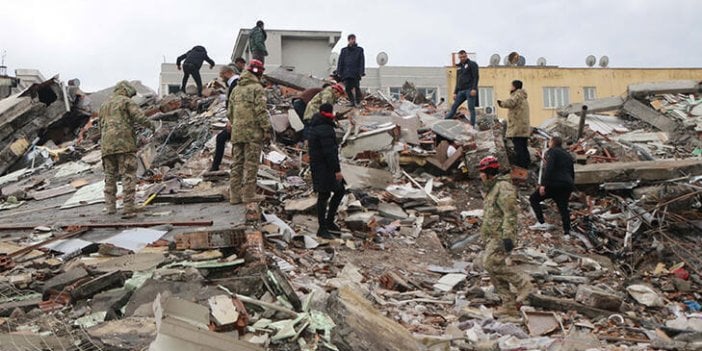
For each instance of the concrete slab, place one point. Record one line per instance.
(391, 210)
(358, 177)
(454, 130)
(611, 103)
(664, 87)
(293, 80)
(640, 111)
(639, 170)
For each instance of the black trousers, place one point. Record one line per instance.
(560, 196)
(353, 90)
(522, 151)
(326, 215)
(222, 139)
(299, 106)
(191, 70)
(259, 55)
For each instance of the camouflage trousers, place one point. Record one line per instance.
(502, 275)
(242, 181)
(116, 166)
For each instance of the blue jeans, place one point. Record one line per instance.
(462, 96)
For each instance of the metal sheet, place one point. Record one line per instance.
(135, 239)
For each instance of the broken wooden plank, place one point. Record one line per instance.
(640, 111)
(599, 173)
(181, 199)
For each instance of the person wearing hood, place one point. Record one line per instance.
(499, 233)
(326, 169)
(193, 61)
(257, 42)
(350, 68)
(118, 119)
(518, 125)
(248, 113)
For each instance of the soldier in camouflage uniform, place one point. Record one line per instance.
(118, 118)
(250, 128)
(328, 95)
(498, 232)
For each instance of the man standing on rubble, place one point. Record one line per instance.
(557, 183)
(329, 95)
(193, 61)
(326, 169)
(118, 118)
(248, 114)
(230, 74)
(257, 42)
(499, 232)
(350, 68)
(518, 125)
(467, 77)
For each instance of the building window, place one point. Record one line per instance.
(486, 97)
(589, 93)
(429, 93)
(173, 88)
(395, 93)
(555, 97)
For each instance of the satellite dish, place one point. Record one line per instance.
(604, 61)
(381, 59)
(513, 58)
(494, 60)
(333, 59)
(522, 61)
(591, 60)
(505, 61)
(541, 62)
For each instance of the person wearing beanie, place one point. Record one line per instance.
(326, 169)
(518, 125)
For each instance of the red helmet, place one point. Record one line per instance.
(255, 66)
(339, 88)
(489, 162)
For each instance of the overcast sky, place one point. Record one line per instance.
(102, 42)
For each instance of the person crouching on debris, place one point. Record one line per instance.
(118, 118)
(557, 183)
(518, 125)
(326, 170)
(251, 127)
(329, 95)
(498, 232)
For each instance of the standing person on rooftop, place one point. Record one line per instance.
(257, 42)
(350, 68)
(467, 77)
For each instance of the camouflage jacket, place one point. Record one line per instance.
(326, 96)
(518, 124)
(500, 210)
(119, 117)
(248, 110)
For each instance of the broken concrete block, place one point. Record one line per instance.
(223, 310)
(300, 205)
(358, 177)
(595, 297)
(599, 173)
(104, 282)
(449, 281)
(292, 79)
(111, 302)
(361, 327)
(62, 280)
(360, 221)
(454, 130)
(374, 140)
(391, 210)
(640, 111)
(645, 295)
(640, 90)
(611, 103)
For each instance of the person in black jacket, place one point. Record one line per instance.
(193, 61)
(350, 68)
(230, 74)
(557, 183)
(325, 167)
(467, 77)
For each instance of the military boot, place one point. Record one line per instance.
(249, 194)
(234, 196)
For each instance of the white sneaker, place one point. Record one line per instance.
(541, 226)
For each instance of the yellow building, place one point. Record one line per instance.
(551, 87)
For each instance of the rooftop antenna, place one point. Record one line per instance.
(382, 59)
(495, 60)
(604, 61)
(3, 68)
(541, 61)
(591, 60)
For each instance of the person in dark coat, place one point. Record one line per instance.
(193, 61)
(467, 77)
(257, 42)
(325, 167)
(557, 183)
(350, 68)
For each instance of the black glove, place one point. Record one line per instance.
(508, 244)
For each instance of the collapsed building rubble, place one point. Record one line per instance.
(405, 273)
